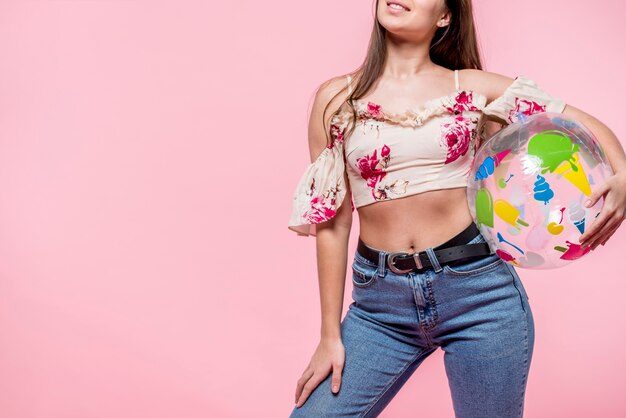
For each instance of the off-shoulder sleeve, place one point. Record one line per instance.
(322, 187)
(526, 97)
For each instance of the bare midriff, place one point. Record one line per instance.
(415, 222)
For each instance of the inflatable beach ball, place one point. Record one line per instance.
(527, 187)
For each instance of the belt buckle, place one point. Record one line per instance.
(392, 257)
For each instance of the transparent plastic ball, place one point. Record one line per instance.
(528, 185)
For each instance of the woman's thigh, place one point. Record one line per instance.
(376, 366)
(487, 334)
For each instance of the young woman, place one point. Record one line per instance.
(403, 131)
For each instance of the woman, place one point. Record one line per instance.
(403, 130)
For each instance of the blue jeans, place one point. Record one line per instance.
(477, 312)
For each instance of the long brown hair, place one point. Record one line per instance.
(454, 46)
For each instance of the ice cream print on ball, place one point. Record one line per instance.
(527, 189)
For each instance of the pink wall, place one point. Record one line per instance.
(145, 265)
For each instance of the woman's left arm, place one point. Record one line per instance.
(614, 189)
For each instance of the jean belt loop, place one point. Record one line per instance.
(381, 263)
(433, 259)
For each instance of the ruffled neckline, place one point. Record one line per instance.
(454, 103)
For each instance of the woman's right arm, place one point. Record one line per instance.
(332, 239)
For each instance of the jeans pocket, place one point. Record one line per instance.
(474, 266)
(363, 274)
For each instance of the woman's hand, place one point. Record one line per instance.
(612, 213)
(329, 355)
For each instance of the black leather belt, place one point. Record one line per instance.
(454, 251)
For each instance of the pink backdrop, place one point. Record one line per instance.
(146, 269)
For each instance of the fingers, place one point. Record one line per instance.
(596, 194)
(301, 382)
(599, 236)
(607, 230)
(590, 234)
(308, 387)
(610, 232)
(336, 379)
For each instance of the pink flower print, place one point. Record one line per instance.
(385, 152)
(372, 169)
(386, 191)
(526, 107)
(374, 110)
(462, 102)
(455, 136)
(370, 111)
(337, 133)
(322, 209)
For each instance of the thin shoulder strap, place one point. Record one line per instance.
(456, 79)
(349, 77)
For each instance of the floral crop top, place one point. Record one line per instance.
(394, 155)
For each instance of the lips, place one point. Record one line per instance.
(399, 4)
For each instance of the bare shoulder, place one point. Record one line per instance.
(329, 96)
(332, 93)
(489, 84)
